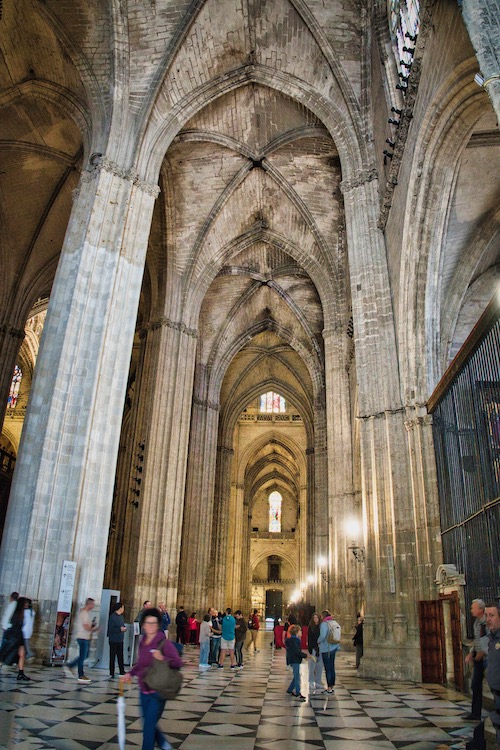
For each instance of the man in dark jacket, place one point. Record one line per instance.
(294, 656)
(116, 634)
(181, 621)
(240, 635)
(477, 658)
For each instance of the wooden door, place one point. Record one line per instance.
(432, 642)
(274, 603)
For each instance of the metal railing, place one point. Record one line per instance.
(466, 428)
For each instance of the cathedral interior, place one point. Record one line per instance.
(244, 244)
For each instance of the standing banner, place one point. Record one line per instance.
(63, 617)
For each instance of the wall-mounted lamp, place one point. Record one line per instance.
(358, 552)
(322, 564)
(353, 531)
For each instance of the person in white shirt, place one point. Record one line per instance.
(28, 623)
(8, 612)
(84, 628)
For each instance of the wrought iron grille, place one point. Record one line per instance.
(466, 428)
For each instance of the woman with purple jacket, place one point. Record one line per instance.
(152, 645)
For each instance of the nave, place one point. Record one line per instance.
(245, 709)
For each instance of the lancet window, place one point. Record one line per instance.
(275, 501)
(272, 403)
(14, 388)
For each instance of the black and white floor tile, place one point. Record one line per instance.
(246, 709)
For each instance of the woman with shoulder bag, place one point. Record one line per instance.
(153, 645)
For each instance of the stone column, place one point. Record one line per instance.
(341, 498)
(399, 562)
(220, 532)
(11, 338)
(124, 534)
(246, 583)
(164, 422)
(482, 19)
(63, 485)
(239, 516)
(198, 508)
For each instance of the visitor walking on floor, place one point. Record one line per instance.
(227, 640)
(153, 645)
(193, 627)
(215, 636)
(240, 636)
(7, 613)
(116, 635)
(13, 649)
(28, 626)
(84, 627)
(476, 657)
(253, 627)
(205, 628)
(329, 644)
(357, 640)
(181, 622)
(315, 662)
(294, 658)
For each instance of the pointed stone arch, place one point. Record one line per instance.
(458, 105)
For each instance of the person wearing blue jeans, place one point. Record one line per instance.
(329, 644)
(84, 628)
(152, 707)
(294, 656)
(204, 642)
(153, 645)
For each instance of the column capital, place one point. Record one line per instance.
(362, 178)
(99, 163)
(380, 414)
(206, 403)
(15, 333)
(164, 322)
(225, 450)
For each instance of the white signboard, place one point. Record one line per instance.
(64, 602)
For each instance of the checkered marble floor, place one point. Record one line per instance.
(246, 709)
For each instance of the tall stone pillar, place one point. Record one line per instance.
(198, 509)
(482, 19)
(400, 555)
(220, 532)
(63, 485)
(164, 423)
(239, 536)
(344, 597)
(246, 573)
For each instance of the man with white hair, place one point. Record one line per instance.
(476, 657)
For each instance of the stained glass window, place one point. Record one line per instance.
(14, 388)
(272, 403)
(275, 511)
(404, 25)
